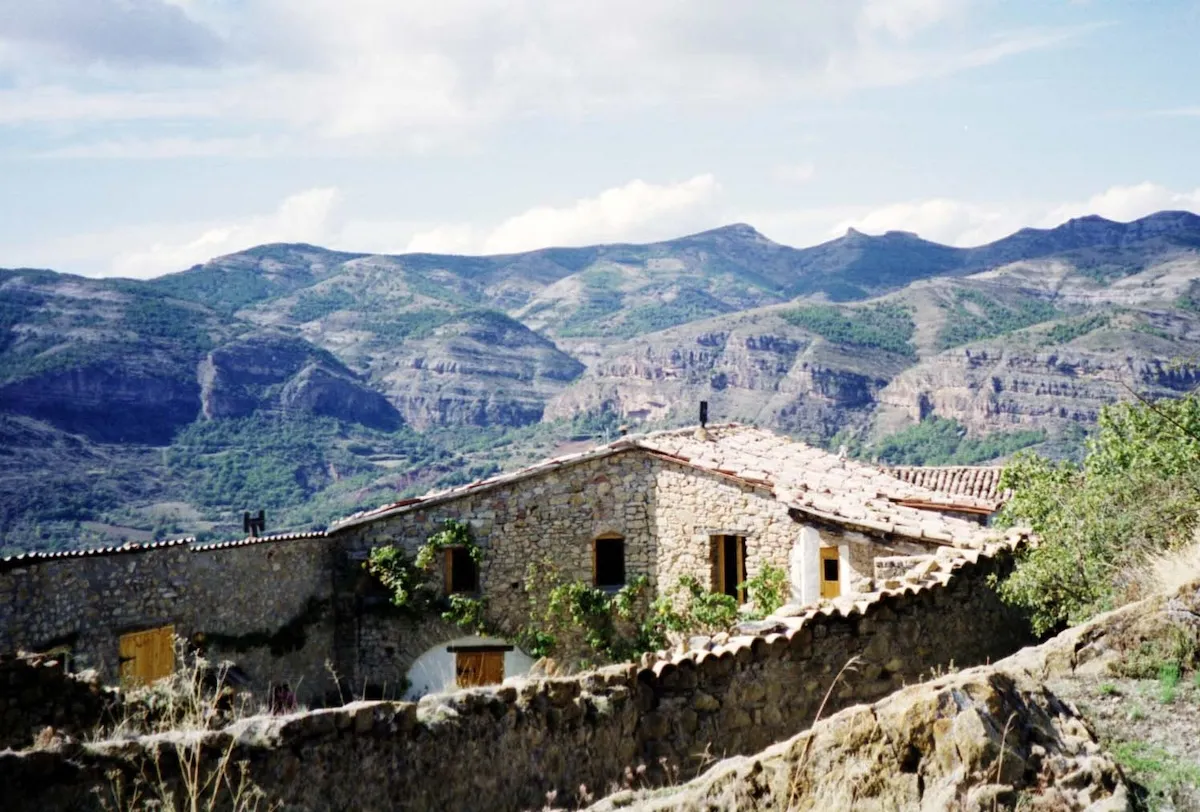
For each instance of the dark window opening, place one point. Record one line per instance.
(831, 569)
(610, 562)
(463, 574)
(729, 565)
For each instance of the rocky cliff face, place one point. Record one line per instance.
(271, 370)
(996, 385)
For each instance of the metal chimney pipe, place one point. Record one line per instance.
(703, 413)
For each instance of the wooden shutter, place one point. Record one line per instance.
(830, 573)
(147, 656)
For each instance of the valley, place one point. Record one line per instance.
(313, 383)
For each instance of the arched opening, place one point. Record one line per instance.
(465, 662)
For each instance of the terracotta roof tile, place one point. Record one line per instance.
(810, 480)
(978, 482)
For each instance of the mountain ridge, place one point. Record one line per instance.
(436, 366)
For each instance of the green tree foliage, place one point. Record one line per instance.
(884, 326)
(313, 306)
(1135, 495)
(414, 582)
(974, 316)
(943, 441)
(1074, 328)
(768, 590)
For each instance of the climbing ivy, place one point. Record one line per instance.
(413, 580)
(453, 534)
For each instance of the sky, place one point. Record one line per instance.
(140, 137)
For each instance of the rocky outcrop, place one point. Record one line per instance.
(753, 367)
(317, 390)
(275, 370)
(993, 386)
(992, 737)
(125, 398)
(980, 740)
(480, 369)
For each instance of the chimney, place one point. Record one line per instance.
(702, 432)
(253, 525)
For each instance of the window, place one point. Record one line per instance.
(608, 562)
(729, 565)
(462, 573)
(831, 572)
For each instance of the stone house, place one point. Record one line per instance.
(716, 503)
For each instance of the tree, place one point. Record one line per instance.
(1135, 495)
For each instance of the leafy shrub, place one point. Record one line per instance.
(1135, 495)
(1070, 330)
(313, 306)
(883, 326)
(768, 590)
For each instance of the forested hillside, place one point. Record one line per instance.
(312, 383)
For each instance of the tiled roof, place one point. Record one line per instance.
(813, 482)
(22, 559)
(980, 482)
(13, 561)
(221, 545)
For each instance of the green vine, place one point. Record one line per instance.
(414, 583)
(453, 534)
(467, 613)
(768, 590)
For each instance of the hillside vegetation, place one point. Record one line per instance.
(316, 382)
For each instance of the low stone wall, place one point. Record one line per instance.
(516, 745)
(35, 693)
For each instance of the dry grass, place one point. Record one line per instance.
(180, 774)
(1165, 573)
(794, 788)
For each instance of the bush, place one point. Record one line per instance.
(1135, 496)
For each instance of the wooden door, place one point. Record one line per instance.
(472, 668)
(831, 573)
(147, 656)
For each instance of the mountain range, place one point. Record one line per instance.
(316, 382)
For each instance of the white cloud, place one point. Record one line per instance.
(636, 212)
(122, 31)
(968, 223)
(303, 217)
(425, 70)
(1127, 203)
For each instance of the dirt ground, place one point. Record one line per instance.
(1151, 727)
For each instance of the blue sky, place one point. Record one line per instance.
(138, 137)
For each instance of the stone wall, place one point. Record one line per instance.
(516, 744)
(692, 505)
(265, 605)
(36, 692)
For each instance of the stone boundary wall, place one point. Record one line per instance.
(266, 603)
(35, 692)
(518, 744)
